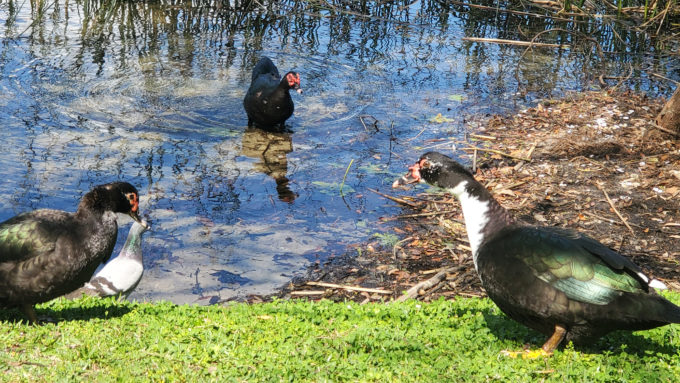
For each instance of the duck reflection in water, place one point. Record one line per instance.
(271, 149)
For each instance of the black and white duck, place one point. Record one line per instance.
(47, 253)
(268, 103)
(561, 283)
(121, 274)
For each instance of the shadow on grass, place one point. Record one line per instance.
(613, 343)
(104, 310)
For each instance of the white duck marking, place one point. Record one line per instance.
(474, 214)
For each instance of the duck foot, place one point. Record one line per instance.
(547, 350)
(29, 311)
(33, 318)
(526, 354)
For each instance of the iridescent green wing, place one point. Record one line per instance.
(582, 268)
(24, 236)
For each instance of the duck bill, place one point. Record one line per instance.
(412, 177)
(135, 216)
(298, 89)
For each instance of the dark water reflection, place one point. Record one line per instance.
(270, 150)
(150, 92)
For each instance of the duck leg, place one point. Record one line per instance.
(551, 344)
(548, 347)
(29, 311)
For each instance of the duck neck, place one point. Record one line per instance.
(483, 215)
(284, 86)
(92, 204)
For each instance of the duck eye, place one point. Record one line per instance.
(134, 201)
(132, 197)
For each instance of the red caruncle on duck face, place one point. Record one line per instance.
(134, 201)
(294, 81)
(413, 176)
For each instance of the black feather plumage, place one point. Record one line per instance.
(48, 253)
(556, 281)
(267, 102)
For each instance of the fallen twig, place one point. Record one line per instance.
(531, 150)
(351, 288)
(482, 137)
(499, 153)
(499, 9)
(611, 203)
(375, 122)
(606, 219)
(665, 78)
(427, 284)
(395, 199)
(398, 246)
(516, 42)
(665, 130)
(428, 214)
(308, 292)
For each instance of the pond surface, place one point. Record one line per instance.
(151, 93)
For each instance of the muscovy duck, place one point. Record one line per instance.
(47, 253)
(559, 282)
(121, 274)
(268, 102)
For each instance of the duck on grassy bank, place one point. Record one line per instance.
(556, 281)
(47, 253)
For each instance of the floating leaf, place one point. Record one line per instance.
(439, 119)
(333, 188)
(373, 169)
(387, 239)
(457, 97)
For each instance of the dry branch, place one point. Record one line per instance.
(516, 42)
(428, 284)
(499, 153)
(395, 199)
(350, 288)
(611, 203)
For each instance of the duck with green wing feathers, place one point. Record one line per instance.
(47, 253)
(561, 283)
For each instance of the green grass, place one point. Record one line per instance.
(458, 340)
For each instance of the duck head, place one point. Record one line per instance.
(292, 79)
(122, 198)
(435, 169)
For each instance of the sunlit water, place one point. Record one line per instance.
(152, 94)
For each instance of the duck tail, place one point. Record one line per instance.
(669, 313)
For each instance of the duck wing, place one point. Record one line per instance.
(575, 264)
(265, 67)
(30, 234)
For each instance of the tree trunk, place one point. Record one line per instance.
(669, 118)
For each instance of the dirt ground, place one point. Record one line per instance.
(591, 162)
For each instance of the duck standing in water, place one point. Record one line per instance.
(47, 253)
(121, 274)
(561, 283)
(268, 103)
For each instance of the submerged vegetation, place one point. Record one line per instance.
(594, 32)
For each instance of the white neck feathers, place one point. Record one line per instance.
(475, 215)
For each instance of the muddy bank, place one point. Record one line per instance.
(592, 162)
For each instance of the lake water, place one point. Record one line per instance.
(151, 93)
